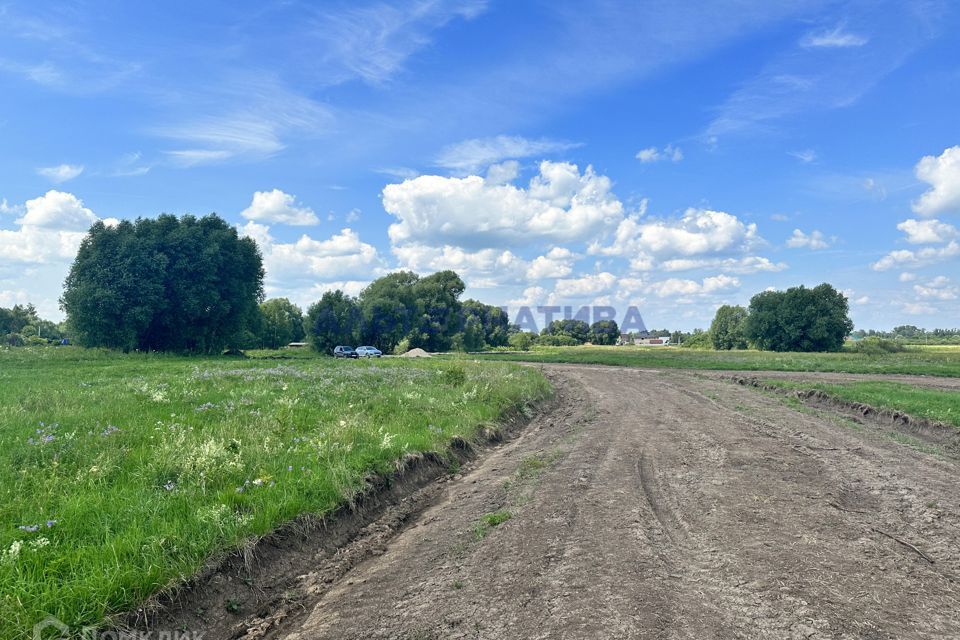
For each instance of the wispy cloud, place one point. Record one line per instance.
(61, 173)
(374, 42)
(474, 154)
(825, 71)
(836, 37)
(805, 156)
(652, 154)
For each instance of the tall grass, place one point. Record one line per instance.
(936, 362)
(122, 474)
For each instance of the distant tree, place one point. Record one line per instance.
(522, 340)
(171, 284)
(496, 326)
(728, 329)
(799, 319)
(334, 320)
(577, 330)
(473, 335)
(698, 339)
(557, 340)
(388, 310)
(281, 322)
(604, 332)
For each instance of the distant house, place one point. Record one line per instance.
(297, 345)
(659, 342)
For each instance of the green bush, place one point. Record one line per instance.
(874, 346)
(521, 341)
(699, 340)
(561, 340)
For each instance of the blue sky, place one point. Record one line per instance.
(550, 152)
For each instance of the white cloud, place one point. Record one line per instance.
(277, 206)
(652, 154)
(472, 155)
(503, 172)
(484, 268)
(697, 232)
(557, 263)
(919, 258)
(290, 266)
(57, 210)
(61, 173)
(560, 205)
(942, 173)
(815, 240)
(937, 289)
(906, 276)
(589, 285)
(9, 209)
(677, 287)
(927, 231)
(531, 296)
(373, 42)
(833, 38)
(747, 264)
(918, 308)
(806, 156)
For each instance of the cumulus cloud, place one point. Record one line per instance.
(942, 173)
(474, 154)
(800, 240)
(918, 308)
(51, 229)
(939, 288)
(922, 257)
(833, 38)
(677, 287)
(697, 232)
(652, 154)
(906, 276)
(589, 285)
(561, 204)
(557, 263)
(747, 264)
(61, 173)
(308, 261)
(483, 268)
(277, 206)
(57, 210)
(927, 231)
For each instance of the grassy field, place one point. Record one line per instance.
(941, 361)
(932, 404)
(120, 475)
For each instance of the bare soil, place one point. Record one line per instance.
(648, 504)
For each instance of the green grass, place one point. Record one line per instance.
(136, 469)
(932, 404)
(489, 521)
(922, 361)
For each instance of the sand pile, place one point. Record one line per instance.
(416, 353)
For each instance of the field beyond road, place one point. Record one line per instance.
(120, 475)
(929, 361)
(652, 504)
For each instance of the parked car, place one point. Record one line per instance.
(344, 352)
(369, 352)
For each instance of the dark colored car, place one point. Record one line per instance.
(344, 352)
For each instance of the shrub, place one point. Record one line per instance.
(874, 346)
(521, 341)
(699, 340)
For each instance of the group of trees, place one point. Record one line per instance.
(568, 332)
(20, 325)
(798, 319)
(911, 334)
(401, 311)
(168, 284)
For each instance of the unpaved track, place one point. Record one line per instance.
(669, 505)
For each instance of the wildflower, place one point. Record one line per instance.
(51, 524)
(109, 430)
(29, 528)
(290, 468)
(39, 543)
(170, 485)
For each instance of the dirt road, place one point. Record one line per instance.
(667, 505)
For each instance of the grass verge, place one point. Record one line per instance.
(919, 361)
(932, 404)
(123, 474)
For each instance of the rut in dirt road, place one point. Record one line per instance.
(668, 505)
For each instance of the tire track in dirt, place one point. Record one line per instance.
(667, 505)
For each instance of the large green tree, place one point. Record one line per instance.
(333, 320)
(388, 309)
(169, 284)
(604, 332)
(799, 319)
(438, 319)
(576, 330)
(729, 328)
(281, 322)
